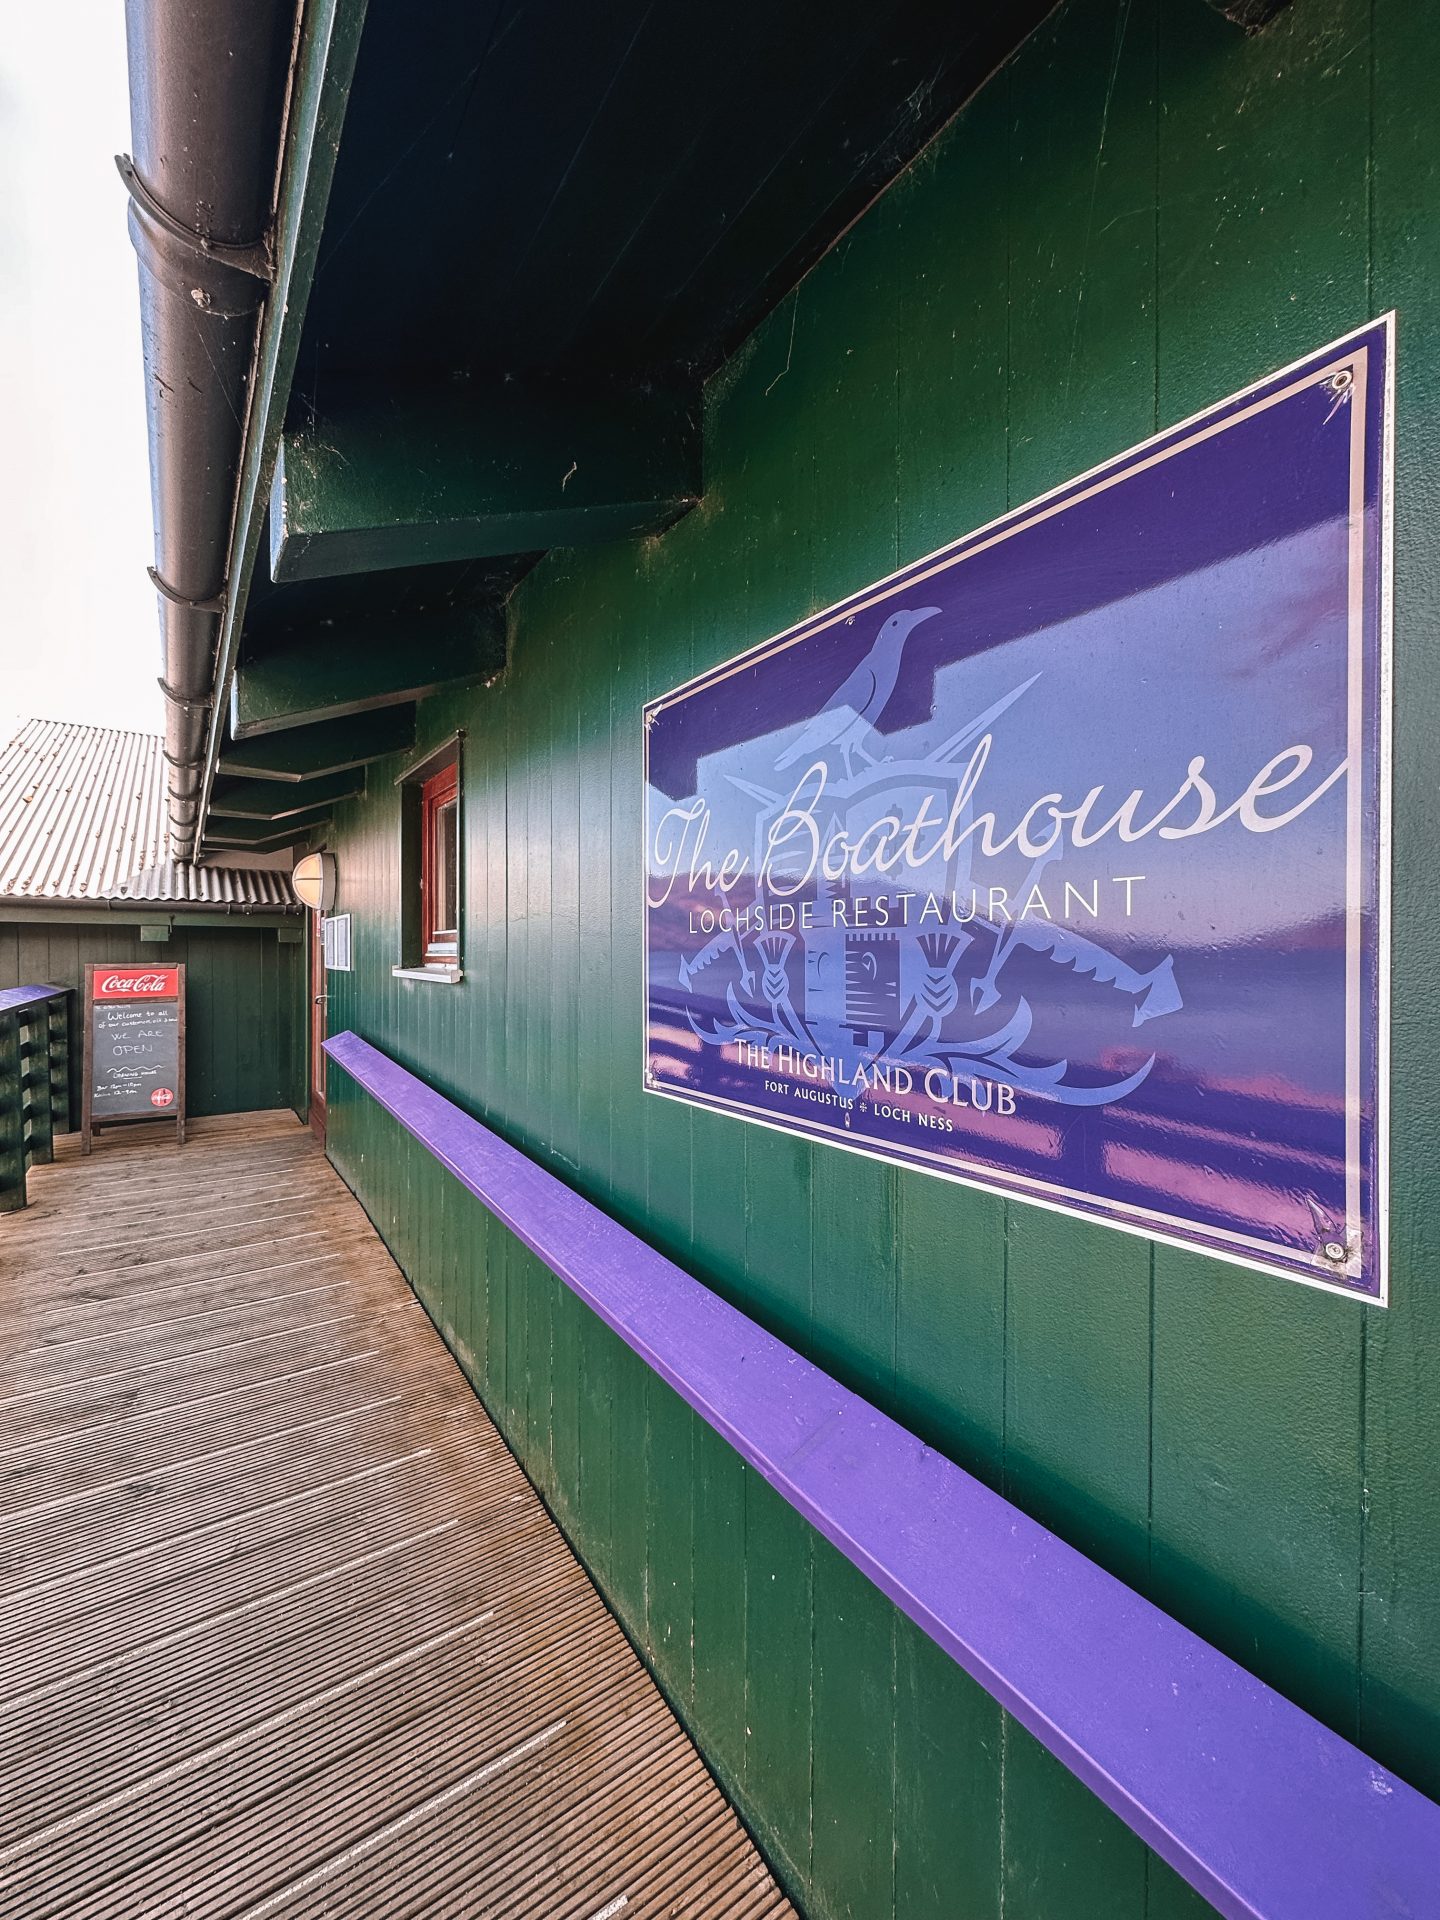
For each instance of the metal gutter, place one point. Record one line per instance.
(327, 44)
(208, 82)
(128, 912)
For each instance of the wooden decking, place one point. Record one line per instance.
(283, 1628)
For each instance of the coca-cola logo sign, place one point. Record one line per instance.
(138, 983)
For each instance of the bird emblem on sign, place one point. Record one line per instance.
(859, 702)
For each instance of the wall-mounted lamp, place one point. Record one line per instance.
(313, 881)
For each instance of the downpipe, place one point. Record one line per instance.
(207, 99)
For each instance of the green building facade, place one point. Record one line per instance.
(244, 996)
(85, 881)
(1143, 211)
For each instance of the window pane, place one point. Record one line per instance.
(447, 869)
(439, 875)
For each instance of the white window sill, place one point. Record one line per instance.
(447, 976)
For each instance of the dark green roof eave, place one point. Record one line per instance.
(329, 41)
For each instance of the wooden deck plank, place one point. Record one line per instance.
(283, 1628)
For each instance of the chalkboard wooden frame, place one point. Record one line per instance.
(89, 1125)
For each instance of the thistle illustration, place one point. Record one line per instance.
(774, 981)
(774, 950)
(784, 1027)
(939, 993)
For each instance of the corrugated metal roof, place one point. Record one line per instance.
(82, 818)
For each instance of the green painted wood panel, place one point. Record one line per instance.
(1144, 211)
(1399, 1704)
(245, 1001)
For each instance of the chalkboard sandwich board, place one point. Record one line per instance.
(134, 1047)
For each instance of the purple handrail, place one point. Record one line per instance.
(12, 997)
(1266, 1812)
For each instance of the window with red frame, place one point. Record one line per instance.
(440, 867)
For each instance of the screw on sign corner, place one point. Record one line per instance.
(163, 1097)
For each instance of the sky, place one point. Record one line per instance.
(79, 633)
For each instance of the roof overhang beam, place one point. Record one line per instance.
(308, 753)
(282, 799)
(445, 476)
(340, 668)
(262, 835)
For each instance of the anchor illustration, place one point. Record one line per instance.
(1155, 993)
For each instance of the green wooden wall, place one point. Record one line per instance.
(245, 1004)
(1145, 211)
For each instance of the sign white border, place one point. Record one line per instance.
(1243, 1250)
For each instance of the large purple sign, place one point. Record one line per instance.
(1055, 862)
